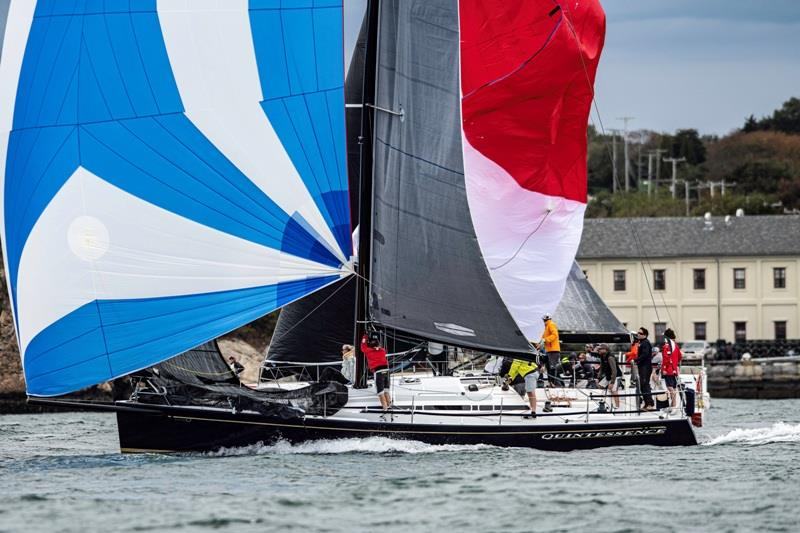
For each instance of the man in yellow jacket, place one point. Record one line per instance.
(529, 371)
(551, 345)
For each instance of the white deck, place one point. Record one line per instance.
(425, 399)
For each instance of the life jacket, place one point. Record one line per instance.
(633, 354)
(521, 368)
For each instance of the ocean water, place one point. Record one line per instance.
(63, 472)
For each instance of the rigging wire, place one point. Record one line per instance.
(618, 183)
(313, 310)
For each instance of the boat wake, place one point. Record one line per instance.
(369, 445)
(778, 432)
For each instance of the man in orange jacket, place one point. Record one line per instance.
(552, 346)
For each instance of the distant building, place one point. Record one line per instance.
(733, 278)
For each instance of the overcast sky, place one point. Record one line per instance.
(704, 64)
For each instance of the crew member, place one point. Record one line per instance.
(551, 346)
(379, 366)
(670, 364)
(630, 359)
(610, 374)
(584, 372)
(235, 365)
(644, 366)
(529, 371)
(349, 362)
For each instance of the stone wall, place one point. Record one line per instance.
(755, 378)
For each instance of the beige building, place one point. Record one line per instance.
(731, 278)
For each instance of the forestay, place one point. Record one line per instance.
(171, 171)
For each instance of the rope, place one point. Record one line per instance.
(514, 255)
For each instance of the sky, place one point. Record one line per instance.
(674, 64)
(703, 64)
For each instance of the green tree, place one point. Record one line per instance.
(753, 204)
(687, 143)
(787, 118)
(761, 175)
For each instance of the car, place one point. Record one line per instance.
(695, 350)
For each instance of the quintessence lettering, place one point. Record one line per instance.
(604, 434)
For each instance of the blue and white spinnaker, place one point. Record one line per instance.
(171, 170)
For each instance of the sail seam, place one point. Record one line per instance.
(412, 156)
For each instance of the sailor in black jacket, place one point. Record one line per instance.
(644, 363)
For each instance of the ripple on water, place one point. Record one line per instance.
(76, 476)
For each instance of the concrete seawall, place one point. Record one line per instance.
(755, 378)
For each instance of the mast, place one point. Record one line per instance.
(365, 190)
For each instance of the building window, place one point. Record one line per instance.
(779, 278)
(738, 278)
(699, 276)
(780, 330)
(659, 328)
(619, 280)
(700, 331)
(740, 331)
(659, 280)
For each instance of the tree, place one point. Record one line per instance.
(787, 118)
(687, 143)
(750, 125)
(753, 204)
(761, 175)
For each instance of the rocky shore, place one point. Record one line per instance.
(774, 378)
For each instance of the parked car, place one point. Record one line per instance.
(695, 350)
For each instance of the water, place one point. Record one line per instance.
(62, 472)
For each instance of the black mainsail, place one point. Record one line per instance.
(427, 276)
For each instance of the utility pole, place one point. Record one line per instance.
(614, 176)
(686, 186)
(625, 121)
(650, 155)
(726, 184)
(722, 185)
(674, 161)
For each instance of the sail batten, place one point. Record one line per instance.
(162, 185)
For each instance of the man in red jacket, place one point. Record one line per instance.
(379, 366)
(670, 364)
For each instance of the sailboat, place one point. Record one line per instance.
(175, 170)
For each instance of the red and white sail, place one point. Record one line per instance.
(527, 76)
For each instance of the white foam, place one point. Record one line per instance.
(376, 445)
(778, 432)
